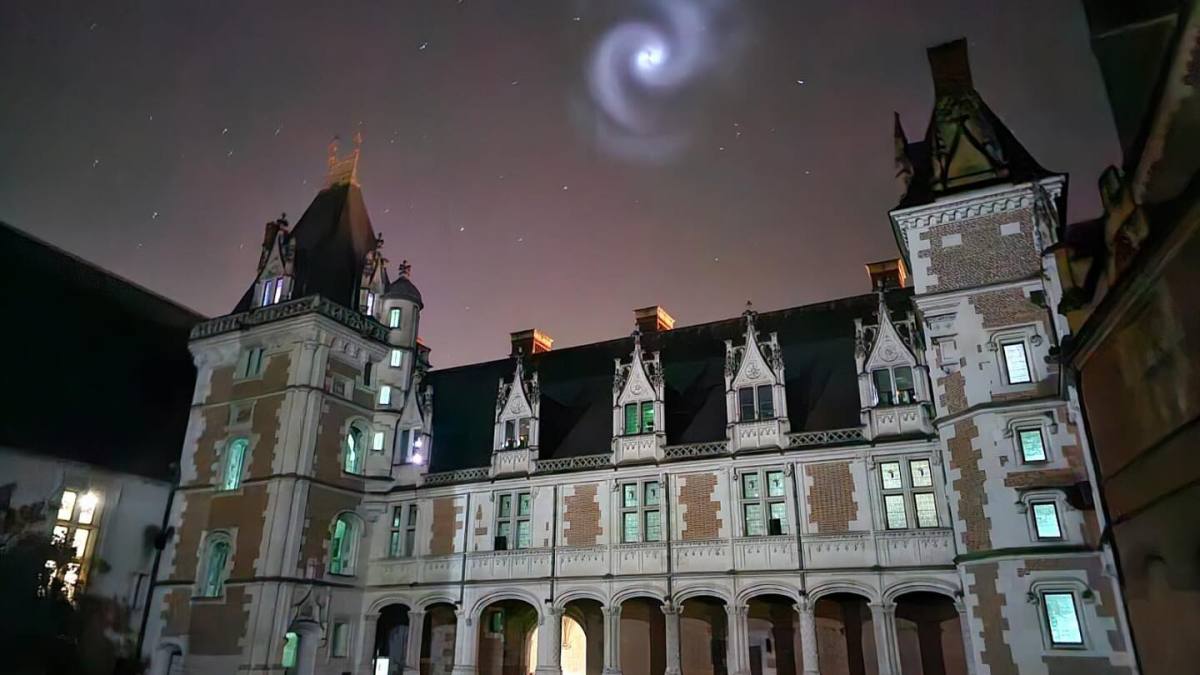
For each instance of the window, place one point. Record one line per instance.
(764, 501)
(369, 305)
(636, 423)
(513, 511)
(76, 523)
(1016, 362)
(1045, 520)
(272, 291)
(516, 433)
(1033, 447)
(343, 539)
(235, 459)
(366, 373)
(377, 441)
(902, 488)
(894, 386)
(385, 395)
(756, 403)
(337, 641)
(641, 517)
(352, 454)
(291, 644)
(397, 358)
(250, 364)
(394, 317)
(214, 564)
(1062, 618)
(402, 542)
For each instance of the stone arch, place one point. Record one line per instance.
(427, 601)
(845, 586)
(580, 594)
(391, 599)
(922, 585)
(165, 654)
(683, 594)
(767, 588)
(506, 594)
(647, 592)
(928, 631)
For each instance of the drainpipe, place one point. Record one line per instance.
(160, 542)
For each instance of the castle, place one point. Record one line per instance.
(892, 483)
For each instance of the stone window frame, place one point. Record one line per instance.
(513, 441)
(366, 427)
(396, 358)
(640, 509)
(347, 637)
(251, 363)
(407, 443)
(223, 463)
(395, 318)
(210, 539)
(356, 530)
(757, 397)
(1029, 337)
(65, 528)
(894, 392)
(764, 500)
(513, 519)
(1081, 596)
(402, 533)
(908, 492)
(1056, 497)
(277, 283)
(641, 408)
(1045, 424)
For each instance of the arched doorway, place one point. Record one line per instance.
(583, 638)
(391, 641)
(643, 637)
(507, 638)
(845, 635)
(929, 634)
(703, 636)
(773, 636)
(437, 639)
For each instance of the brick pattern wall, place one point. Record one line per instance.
(446, 525)
(954, 387)
(1008, 307)
(969, 487)
(327, 456)
(984, 256)
(831, 503)
(324, 504)
(701, 510)
(223, 388)
(995, 652)
(581, 516)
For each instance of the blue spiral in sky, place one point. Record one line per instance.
(643, 71)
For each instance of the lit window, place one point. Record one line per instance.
(890, 473)
(640, 517)
(403, 538)
(893, 506)
(631, 418)
(926, 509)
(764, 506)
(251, 362)
(1045, 520)
(903, 507)
(369, 305)
(516, 433)
(385, 394)
(397, 358)
(1062, 618)
(377, 441)
(1016, 363)
(394, 318)
(213, 570)
(75, 526)
(352, 454)
(291, 643)
(343, 536)
(337, 646)
(756, 403)
(67, 505)
(647, 417)
(1033, 447)
(235, 459)
(921, 476)
(510, 520)
(272, 291)
(894, 386)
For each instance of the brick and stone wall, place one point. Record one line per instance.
(700, 507)
(832, 506)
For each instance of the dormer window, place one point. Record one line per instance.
(272, 291)
(394, 317)
(516, 433)
(756, 403)
(894, 386)
(369, 304)
(639, 418)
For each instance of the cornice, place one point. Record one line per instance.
(952, 209)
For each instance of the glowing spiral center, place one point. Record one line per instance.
(651, 57)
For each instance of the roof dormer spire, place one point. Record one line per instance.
(343, 169)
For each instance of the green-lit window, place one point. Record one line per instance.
(647, 417)
(216, 559)
(906, 392)
(1045, 520)
(235, 459)
(291, 644)
(631, 418)
(764, 503)
(1062, 618)
(394, 317)
(513, 513)
(1033, 446)
(343, 541)
(640, 516)
(396, 359)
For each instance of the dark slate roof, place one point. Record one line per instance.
(332, 239)
(576, 384)
(97, 368)
(402, 287)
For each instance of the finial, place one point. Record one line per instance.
(358, 137)
(404, 270)
(637, 339)
(333, 151)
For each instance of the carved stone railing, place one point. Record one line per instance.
(691, 450)
(579, 463)
(367, 327)
(460, 476)
(805, 439)
(901, 420)
(516, 564)
(778, 552)
(512, 462)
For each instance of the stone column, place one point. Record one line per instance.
(736, 648)
(964, 621)
(412, 648)
(808, 635)
(370, 628)
(550, 642)
(883, 619)
(671, 614)
(309, 632)
(465, 643)
(612, 640)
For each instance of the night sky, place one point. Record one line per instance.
(156, 138)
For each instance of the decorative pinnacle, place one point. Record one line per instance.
(404, 269)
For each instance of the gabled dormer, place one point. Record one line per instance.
(515, 436)
(638, 430)
(893, 381)
(755, 400)
(412, 439)
(275, 265)
(373, 283)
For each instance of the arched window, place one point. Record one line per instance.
(291, 643)
(213, 565)
(356, 446)
(343, 542)
(235, 459)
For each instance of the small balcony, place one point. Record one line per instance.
(758, 435)
(900, 420)
(511, 462)
(638, 448)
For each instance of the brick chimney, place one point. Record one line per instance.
(887, 274)
(653, 319)
(532, 341)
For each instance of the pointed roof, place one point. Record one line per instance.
(402, 286)
(966, 145)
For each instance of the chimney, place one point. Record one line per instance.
(653, 319)
(532, 341)
(950, 68)
(887, 274)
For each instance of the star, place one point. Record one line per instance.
(225, 131)
(564, 187)
(229, 154)
(520, 240)
(800, 82)
(277, 130)
(721, 148)
(422, 46)
(514, 83)
(154, 216)
(577, 18)
(95, 163)
(93, 26)
(151, 117)
(716, 260)
(461, 228)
